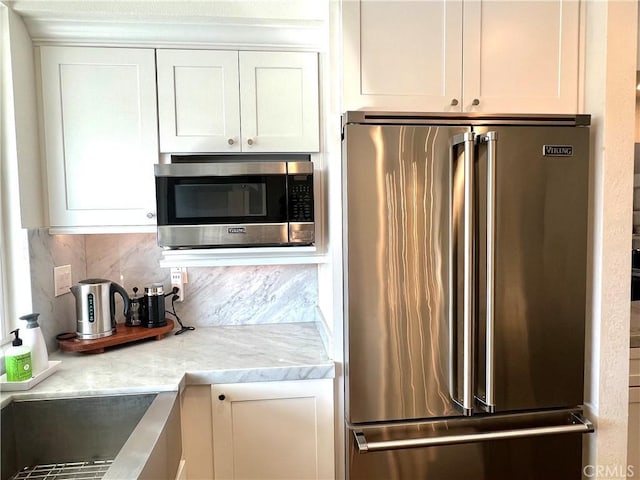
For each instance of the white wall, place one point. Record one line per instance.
(15, 256)
(24, 116)
(611, 37)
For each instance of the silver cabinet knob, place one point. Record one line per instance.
(454, 102)
(250, 141)
(476, 101)
(231, 141)
(150, 214)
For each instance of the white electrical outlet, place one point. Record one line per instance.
(61, 279)
(178, 279)
(176, 276)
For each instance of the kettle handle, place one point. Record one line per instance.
(115, 288)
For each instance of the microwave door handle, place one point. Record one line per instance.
(488, 401)
(466, 402)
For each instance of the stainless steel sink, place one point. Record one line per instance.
(114, 437)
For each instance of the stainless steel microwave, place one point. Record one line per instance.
(235, 203)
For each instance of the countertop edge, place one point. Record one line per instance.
(266, 374)
(197, 377)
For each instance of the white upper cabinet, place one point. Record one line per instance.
(403, 55)
(227, 101)
(198, 101)
(461, 56)
(521, 56)
(100, 135)
(279, 101)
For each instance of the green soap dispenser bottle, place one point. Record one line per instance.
(17, 360)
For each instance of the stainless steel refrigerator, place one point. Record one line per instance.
(465, 243)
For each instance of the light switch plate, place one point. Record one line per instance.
(61, 279)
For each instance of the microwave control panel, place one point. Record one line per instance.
(300, 198)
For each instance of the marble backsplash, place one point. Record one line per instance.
(214, 296)
(57, 314)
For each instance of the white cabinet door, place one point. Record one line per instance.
(100, 135)
(198, 101)
(521, 57)
(273, 430)
(279, 101)
(496, 56)
(197, 443)
(402, 55)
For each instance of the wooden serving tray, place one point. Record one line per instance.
(124, 334)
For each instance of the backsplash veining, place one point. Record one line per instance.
(213, 296)
(57, 314)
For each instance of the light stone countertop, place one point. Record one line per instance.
(207, 355)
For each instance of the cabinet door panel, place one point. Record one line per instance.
(521, 56)
(198, 101)
(402, 55)
(279, 101)
(99, 109)
(273, 430)
(197, 443)
(96, 153)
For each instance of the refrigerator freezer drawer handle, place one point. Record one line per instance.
(582, 426)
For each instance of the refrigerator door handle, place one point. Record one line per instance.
(466, 403)
(488, 401)
(579, 425)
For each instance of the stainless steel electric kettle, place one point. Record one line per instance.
(95, 307)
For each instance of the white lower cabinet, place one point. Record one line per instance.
(273, 430)
(197, 440)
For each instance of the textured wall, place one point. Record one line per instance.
(609, 97)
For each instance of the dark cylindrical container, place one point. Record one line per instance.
(153, 314)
